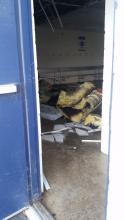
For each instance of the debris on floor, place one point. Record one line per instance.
(81, 132)
(69, 99)
(95, 130)
(60, 131)
(77, 125)
(50, 112)
(79, 108)
(48, 137)
(58, 138)
(55, 131)
(45, 183)
(89, 104)
(93, 120)
(91, 141)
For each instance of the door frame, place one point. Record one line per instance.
(37, 96)
(107, 73)
(113, 108)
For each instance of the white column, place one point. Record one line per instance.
(107, 74)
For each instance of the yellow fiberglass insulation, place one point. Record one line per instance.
(69, 99)
(77, 117)
(81, 104)
(93, 119)
(93, 99)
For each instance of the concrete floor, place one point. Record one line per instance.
(77, 179)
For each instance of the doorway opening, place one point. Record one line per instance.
(70, 52)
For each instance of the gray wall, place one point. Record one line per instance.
(64, 49)
(69, 50)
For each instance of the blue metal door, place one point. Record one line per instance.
(19, 144)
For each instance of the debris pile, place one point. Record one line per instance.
(80, 106)
(70, 99)
(77, 106)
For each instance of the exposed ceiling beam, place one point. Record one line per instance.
(57, 13)
(42, 7)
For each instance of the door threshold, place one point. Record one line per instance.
(35, 212)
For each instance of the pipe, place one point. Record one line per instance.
(42, 7)
(57, 13)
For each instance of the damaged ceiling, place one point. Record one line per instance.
(52, 12)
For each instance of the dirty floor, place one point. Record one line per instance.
(77, 175)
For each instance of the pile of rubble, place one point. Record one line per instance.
(79, 105)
